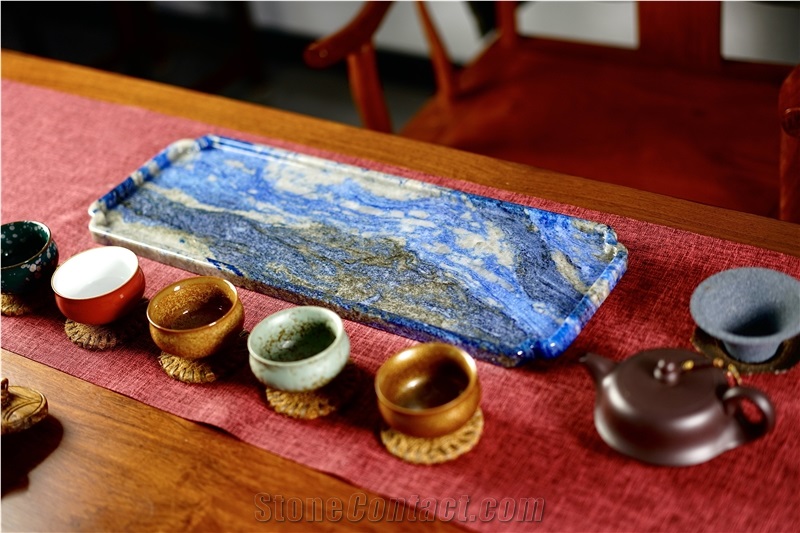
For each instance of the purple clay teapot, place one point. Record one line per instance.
(672, 407)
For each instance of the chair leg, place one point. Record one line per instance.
(367, 90)
(442, 66)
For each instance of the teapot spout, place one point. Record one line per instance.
(598, 366)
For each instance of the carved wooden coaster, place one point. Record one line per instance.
(109, 335)
(436, 450)
(22, 408)
(316, 403)
(787, 356)
(24, 304)
(207, 369)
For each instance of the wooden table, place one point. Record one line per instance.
(103, 461)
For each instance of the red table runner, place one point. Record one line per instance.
(61, 152)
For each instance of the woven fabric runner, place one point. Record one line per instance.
(61, 152)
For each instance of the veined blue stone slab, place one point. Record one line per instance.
(506, 282)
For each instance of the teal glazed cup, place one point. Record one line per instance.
(29, 256)
(298, 349)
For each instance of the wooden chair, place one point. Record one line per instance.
(671, 117)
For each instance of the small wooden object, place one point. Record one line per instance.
(435, 450)
(22, 408)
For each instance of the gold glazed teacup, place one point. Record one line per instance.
(428, 390)
(196, 317)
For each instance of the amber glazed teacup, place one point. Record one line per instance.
(196, 317)
(428, 390)
(98, 286)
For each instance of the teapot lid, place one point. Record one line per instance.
(663, 385)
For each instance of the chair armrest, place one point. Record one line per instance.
(350, 39)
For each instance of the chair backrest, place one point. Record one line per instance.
(681, 36)
(676, 34)
(679, 33)
(684, 34)
(354, 43)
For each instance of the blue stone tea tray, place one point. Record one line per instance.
(506, 282)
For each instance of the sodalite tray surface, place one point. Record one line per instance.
(507, 282)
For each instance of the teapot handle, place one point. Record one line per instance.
(732, 401)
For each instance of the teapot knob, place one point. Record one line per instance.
(667, 372)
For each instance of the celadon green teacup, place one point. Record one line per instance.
(298, 349)
(29, 256)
